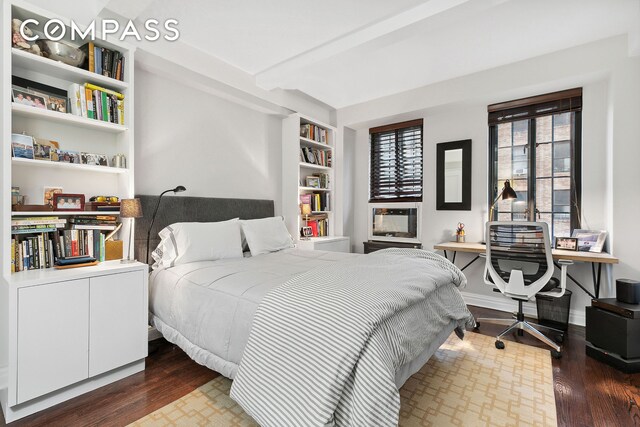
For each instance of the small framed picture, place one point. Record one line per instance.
(89, 159)
(69, 156)
(68, 202)
(313, 181)
(25, 97)
(306, 231)
(41, 151)
(57, 103)
(590, 240)
(567, 243)
(49, 192)
(22, 146)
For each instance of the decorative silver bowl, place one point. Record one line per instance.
(59, 51)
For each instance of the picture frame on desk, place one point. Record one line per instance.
(567, 243)
(590, 240)
(68, 202)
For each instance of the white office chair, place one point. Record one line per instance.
(520, 264)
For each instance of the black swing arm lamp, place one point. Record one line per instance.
(178, 189)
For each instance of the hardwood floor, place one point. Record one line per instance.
(588, 393)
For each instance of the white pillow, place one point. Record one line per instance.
(266, 235)
(185, 242)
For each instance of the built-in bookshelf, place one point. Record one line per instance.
(45, 305)
(309, 179)
(74, 133)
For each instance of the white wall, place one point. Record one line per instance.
(212, 146)
(457, 109)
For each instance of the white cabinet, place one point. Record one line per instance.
(331, 244)
(118, 324)
(53, 337)
(74, 331)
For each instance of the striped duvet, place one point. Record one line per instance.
(324, 347)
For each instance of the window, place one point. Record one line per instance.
(396, 163)
(535, 143)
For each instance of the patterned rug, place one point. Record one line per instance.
(466, 383)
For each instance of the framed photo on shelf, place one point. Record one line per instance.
(313, 181)
(590, 240)
(26, 97)
(41, 151)
(306, 231)
(68, 202)
(49, 192)
(22, 146)
(567, 243)
(57, 103)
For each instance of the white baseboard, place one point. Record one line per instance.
(502, 303)
(154, 334)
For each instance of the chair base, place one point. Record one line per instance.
(521, 326)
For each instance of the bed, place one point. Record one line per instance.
(208, 308)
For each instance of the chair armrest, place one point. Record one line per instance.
(564, 262)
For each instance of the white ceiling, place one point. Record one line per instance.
(344, 52)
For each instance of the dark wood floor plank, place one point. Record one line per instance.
(587, 392)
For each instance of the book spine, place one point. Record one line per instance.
(52, 258)
(73, 92)
(90, 244)
(121, 112)
(13, 255)
(20, 256)
(101, 247)
(122, 62)
(89, 99)
(92, 57)
(106, 56)
(98, 59)
(98, 103)
(105, 107)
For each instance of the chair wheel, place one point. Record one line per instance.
(499, 345)
(477, 326)
(559, 338)
(556, 354)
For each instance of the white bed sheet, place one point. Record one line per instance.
(207, 307)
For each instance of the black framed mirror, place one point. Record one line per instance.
(453, 182)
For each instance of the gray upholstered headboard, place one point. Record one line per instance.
(192, 209)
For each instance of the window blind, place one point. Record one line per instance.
(396, 162)
(535, 106)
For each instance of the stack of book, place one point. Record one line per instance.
(316, 202)
(94, 222)
(40, 242)
(313, 132)
(95, 102)
(315, 156)
(100, 60)
(319, 225)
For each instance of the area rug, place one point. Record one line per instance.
(466, 383)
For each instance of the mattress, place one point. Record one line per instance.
(207, 307)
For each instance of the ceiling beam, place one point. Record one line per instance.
(277, 75)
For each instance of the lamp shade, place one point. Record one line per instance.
(130, 208)
(508, 192)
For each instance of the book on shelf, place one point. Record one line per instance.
(316, 156)
(95, 102)
(44, 249)
(313, 132)
(100, 60)
(320, 202)
(319, 225)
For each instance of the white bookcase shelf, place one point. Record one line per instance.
(295, 172)
(62, 71)
(63, 213)
(312, 166)
(67, 166)
(64, 118)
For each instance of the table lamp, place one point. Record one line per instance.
(507, 193)
(132, 209)
(178, 189)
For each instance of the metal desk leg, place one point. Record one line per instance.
(470, 262)
(596, 277)
(445, 254)
(454, 257)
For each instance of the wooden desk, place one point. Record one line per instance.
(596, 260)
